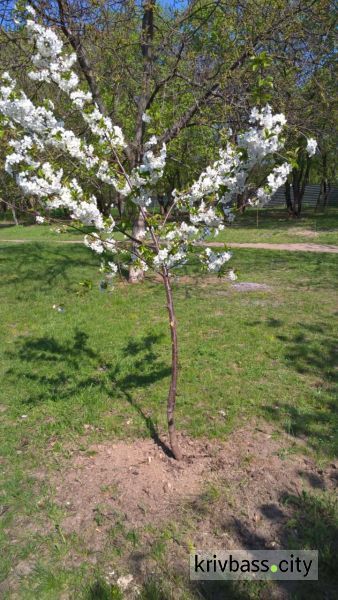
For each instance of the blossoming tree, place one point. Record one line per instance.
(56, 167)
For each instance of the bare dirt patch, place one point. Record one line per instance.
(136, 480)
(298, 247)
(196, 279)
(139, 483)
(303, 232)
(248, 286)
(207, 280)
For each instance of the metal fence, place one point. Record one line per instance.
(310, 198)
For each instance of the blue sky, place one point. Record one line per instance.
(170, 3)
(7, 5)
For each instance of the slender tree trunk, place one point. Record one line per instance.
(174, 368)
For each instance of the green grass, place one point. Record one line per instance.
(265, 225)
(37, 233)
(274, 226)
(103, 360)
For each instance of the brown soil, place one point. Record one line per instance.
(141, 484)
(248, 286)
(207, 280)
(303, 232)
(298, 247)
(137, 480)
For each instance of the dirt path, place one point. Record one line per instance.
(298, 247)
(290, 247)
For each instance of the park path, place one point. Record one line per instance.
(297, 247)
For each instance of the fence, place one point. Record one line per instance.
(310, 196)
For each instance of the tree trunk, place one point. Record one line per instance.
(325, 182)
(240, 202)
(174, 368)
(300, 178)
(288, 199)
(136, 274)
(120, 205)
(327, 189)
(296, 185)
(321, 190)
(14, 215)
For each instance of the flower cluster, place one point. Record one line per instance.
(275, 180)
(53, 65)
(311, 147)
(230, 174)
(215, 260)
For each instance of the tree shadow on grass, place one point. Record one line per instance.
(156, 589)
(101, 590)
(303, 521)
(6, 225)
(142, 351)
(299, 521)
(311, 349)
(40, 265)
(49, 350)
(59, 370)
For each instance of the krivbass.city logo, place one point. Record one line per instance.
(255, 564)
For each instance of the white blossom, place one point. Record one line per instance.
(311, 147)
(30, 10)
(79, 98)
(160, 257)
(94, 243)
(112, 267)
(215, 260)
(278, 177)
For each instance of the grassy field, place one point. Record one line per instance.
(274, 226)
(75, 361)
(271, 226)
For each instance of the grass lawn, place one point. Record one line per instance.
(36, 233)
(265, 225)
(274, 226)
(96, 368)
